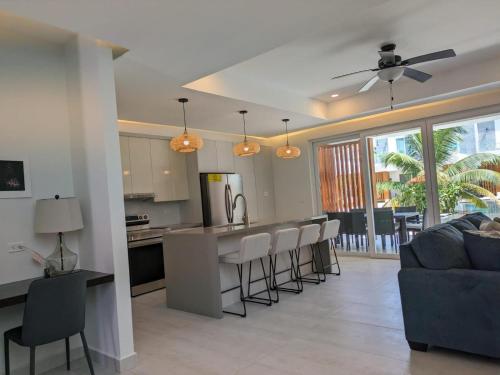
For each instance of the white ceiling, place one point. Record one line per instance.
(274, 58)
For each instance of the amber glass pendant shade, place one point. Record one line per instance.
(246, 148)
(186, 142)
(287, 151)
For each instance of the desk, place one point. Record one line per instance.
(15, 293)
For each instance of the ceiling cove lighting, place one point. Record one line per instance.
(246, 148)
(287, 151)
(186, 142)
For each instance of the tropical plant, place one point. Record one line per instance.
(462, 179)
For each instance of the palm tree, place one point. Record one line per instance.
(462, 179)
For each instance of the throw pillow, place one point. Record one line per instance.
(483, 249)
(462, 224)
(493, 225)
(441, 247)
(476, 218)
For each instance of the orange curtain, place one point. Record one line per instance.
(341, 178)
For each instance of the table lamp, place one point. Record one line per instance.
(59, 215)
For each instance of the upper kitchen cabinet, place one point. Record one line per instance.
(150, 166)
(216, 156)
(244, 166)
(140, 165)
(125, 156)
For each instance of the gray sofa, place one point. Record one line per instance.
(445, 301)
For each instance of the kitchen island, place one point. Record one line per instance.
(194, 277)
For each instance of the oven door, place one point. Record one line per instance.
(145, 259)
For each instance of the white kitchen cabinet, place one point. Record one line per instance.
(140, 165)
(179, 175)
(225, 159)
(125, 157)
(163, 185)
(245, 167)
(169, 173)
(207, 157)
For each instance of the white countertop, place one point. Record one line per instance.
(227, 230)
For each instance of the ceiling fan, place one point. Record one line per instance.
(392, 67)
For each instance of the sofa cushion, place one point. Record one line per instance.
(483, 250)
(462, 224)
(441, 247)
(476, 218)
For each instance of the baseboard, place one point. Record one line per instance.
(111, 362)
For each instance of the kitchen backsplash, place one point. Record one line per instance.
(165, 213)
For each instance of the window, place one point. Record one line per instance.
(468, 144)
(401, 145)
(486, 136)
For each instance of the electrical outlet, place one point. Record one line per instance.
(15, 247)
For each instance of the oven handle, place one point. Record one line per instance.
(152, 241)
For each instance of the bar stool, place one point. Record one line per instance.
(308, 236)
(329, 231)
(253, 247)
(284, 240)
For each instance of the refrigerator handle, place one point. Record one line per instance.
(229, 203)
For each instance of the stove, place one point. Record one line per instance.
(145, 255)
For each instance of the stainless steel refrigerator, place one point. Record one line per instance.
(218, 191)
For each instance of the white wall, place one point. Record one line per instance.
(34, 118)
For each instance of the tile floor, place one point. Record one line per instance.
(349, 325)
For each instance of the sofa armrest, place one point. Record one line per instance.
(407, 256)
(455, 308)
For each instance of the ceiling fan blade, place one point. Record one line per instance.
(430, 57)
(360, 71)
(417, 75)
(368, 85)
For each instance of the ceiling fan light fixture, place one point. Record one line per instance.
(287, 151)
(245, 148)
(186, 142)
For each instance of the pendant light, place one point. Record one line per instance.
(246, 148)
(186, 142)
(287, 151)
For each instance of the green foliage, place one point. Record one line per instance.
(456, 181)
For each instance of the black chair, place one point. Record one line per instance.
(358, 226)
(54, 310)
(385, 225)
(405, 209)
(417, 225)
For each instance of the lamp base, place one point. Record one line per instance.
(62, 260)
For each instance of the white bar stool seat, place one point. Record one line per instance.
(252, 247)
(284, 240)
(329, 231)
(308, 236)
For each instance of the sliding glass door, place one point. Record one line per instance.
(397, 188)
(342, 192)
(386, 185)
(467, 162)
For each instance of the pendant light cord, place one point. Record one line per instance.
(244, 127)
(184, 111)
(391, 94)
(286, 131)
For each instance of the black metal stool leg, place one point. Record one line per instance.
(242, 295)
(7, 356)
(322, 263)
(272, 278)
(32, 360)
(68, 366)
(307, 279)
(252, 297)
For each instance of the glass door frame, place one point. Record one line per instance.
(375, 132)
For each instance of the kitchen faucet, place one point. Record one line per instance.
(245, 208)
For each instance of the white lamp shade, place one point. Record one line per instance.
(58, 215)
